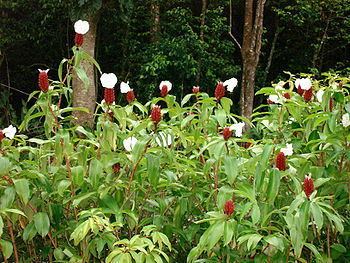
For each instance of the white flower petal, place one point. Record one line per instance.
(319, 95)
(108, 80)
(165, 83)
(345, 119)
(238, 128)
(124, 87)
(129, 143)
(231, 84)
(81, 27)
(274, 98)
(288, 150)
(305, 84)
(10, 132)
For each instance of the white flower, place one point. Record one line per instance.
(231, 84)
(274, 98)
(319, 95)
(288, 150)
(44, 70)
(164, 140)
(238, 128)
(129, 143)
(81, 27)
(167, 84)
(279, 86)
(345, 119)
(108, 80)
(10, 132)
(124, 87)
(304, 84)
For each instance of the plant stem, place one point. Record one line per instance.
(9, 226)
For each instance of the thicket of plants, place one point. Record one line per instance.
(173, 181)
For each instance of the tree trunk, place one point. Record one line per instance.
(85, 96)
(155, 12)
(252, 33)
(201, 37)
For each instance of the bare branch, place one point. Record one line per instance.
(230, 28)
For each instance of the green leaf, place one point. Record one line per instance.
(82, 76)
(275, 241)
(80, 232)
(4, 166)
(231, 168)
(60, 69)
(253, 241)
(29, 232)
(95, 173)
(6, 248)
(314, 251)
(22, 189)
(42, 223)
(317, 215)
(82, 197)
(228, 232)
(274, 184)
(255, 214)
(1, 226)
(261, 167)
(7, 198)
(212, 235)
(226, 104)
(153, 169)
(186, 99)
(78, 175)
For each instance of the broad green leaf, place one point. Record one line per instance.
(6, 248)
(42, 223)
(231, 168)
(261, 167)
(255, 214)
(78, 175)
(253, 241)
(78, 199)
(80, 232)
(275, 241)
(4, 166)
(317, 215)
(274, 184)
(7, 198)
(22, 189)
(29, 232)
(228, 232)
(153, 169)
(95, 173)
(1, 226)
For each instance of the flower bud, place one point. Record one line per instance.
(165, 86)
(195, 89)
(308, 186)
(227, 133)
(219, 91)
(78, 39)
(308, 95)
(116, 167)
(281, 161)
(130, 96)
(229, 207)
(156, 114)
(43, 80)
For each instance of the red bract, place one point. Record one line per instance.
(164, 91)
(226, 133)
(308, 94)
(130, 96)
(195, 89)
(269, 101)
(308, 186)
(116, 167)
(109, 96)
(2, 135)
(287, 95)
(79, 39)
(281, 161)
(43, 80)
(219, 91)
(300, 91)
(156, 114)
(229, 207)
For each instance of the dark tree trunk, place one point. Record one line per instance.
(86, 96)
(252, 33)
(155, 12)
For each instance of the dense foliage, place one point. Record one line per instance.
(179, 182)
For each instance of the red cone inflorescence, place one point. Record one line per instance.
(219, 91)
(281, 161)
(116, 167)
(195, 89)
(109, 96)
(226, 133)
(130, 96)
(156, 114)
(229, 207)
(308, 186)
(2, 135)
(308, 94)
(79, 39)
(164, 91)
(43, 80)
(287, 95)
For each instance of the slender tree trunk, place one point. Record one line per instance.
(155, 12)
(252, 33)
(86, 96)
